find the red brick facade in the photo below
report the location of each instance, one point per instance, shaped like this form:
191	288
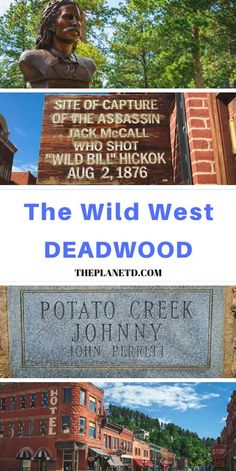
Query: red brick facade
64	427
228	435
56	413
23	178
200	138
209	145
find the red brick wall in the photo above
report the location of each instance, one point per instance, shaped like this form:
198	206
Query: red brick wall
9	447
142	446
200	138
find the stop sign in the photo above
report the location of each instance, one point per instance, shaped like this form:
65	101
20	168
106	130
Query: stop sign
218	451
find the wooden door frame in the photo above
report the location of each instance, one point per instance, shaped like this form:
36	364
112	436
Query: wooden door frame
225	162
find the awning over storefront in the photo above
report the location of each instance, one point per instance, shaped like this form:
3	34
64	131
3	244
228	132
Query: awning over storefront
99	452
164	463
69	445
42	455
114	461
24	454
148	463
143	463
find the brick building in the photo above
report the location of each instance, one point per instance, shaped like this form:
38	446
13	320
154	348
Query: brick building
168	460
51	426
118	441
228	435
141	455
64	427
7	152
203	138
155	456
23	178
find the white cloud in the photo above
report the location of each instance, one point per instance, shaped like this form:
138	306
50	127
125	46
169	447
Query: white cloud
179	397
4	6
223	419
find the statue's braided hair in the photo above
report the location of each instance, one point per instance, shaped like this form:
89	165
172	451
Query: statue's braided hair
50	14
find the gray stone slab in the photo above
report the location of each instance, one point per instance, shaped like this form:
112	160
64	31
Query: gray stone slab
116	332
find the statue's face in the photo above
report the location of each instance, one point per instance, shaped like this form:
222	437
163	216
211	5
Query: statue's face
67	25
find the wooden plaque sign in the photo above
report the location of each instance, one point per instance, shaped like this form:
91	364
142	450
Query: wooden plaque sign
106	139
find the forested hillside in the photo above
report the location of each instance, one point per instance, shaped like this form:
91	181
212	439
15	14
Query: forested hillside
181	442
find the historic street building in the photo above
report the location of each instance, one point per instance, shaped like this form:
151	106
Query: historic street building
7	152
64	427
228	435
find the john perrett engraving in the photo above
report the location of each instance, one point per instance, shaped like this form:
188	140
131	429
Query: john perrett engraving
97	324
54	63
89	331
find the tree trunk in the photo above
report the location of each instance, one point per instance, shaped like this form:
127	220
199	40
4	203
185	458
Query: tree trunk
196	58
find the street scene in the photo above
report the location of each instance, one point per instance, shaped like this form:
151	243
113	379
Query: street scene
83	426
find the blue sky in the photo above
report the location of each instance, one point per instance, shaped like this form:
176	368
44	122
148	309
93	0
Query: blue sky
23	113
198	407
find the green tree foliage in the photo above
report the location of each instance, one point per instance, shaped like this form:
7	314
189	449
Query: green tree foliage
15	37
132	47
174	43
183	443
143	43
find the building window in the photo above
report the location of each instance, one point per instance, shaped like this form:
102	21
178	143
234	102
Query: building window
92	430
3	404
45	398
82	425
124	445
11	430
20	429
92	403
22	402
25	465
115	443
1	430
67	392
43	425
109	442
31	427
32	400
82	397
13	403
145	453
65	424
99	432
99	407
105	441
